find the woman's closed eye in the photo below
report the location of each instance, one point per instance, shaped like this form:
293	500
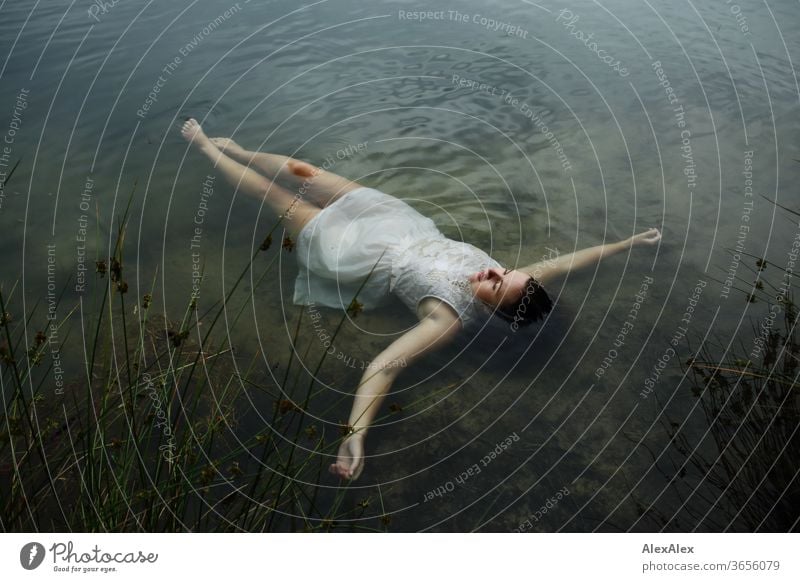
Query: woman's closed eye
497	283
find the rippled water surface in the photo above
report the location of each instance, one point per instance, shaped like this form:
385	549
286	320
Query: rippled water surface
516	126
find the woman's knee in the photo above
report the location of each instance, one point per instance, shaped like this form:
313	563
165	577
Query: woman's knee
302	169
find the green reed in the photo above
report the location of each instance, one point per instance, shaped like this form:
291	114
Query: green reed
147	439
742	474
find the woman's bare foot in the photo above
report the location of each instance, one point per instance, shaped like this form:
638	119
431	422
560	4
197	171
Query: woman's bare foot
193	133
228	146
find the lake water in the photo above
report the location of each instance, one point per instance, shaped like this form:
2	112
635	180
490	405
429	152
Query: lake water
518	127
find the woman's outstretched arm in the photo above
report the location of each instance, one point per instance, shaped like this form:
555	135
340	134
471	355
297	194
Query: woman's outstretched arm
550	269
435	330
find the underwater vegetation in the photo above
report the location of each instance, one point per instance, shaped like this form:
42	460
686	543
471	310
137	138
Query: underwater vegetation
144	434
736	468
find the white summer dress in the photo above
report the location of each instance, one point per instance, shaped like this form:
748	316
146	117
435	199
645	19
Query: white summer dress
370	244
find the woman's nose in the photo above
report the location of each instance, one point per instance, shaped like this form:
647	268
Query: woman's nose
496	273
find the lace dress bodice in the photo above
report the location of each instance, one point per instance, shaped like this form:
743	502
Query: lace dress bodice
439	267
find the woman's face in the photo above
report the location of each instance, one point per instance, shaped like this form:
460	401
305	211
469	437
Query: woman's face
499	287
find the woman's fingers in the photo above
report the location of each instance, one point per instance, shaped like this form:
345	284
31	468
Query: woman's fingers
340	471
650	236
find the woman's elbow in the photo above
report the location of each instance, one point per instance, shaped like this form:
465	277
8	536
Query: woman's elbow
387	367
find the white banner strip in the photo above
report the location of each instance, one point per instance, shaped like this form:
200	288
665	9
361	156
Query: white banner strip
397	557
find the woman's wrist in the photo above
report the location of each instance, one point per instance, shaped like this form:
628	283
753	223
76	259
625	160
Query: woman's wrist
355	431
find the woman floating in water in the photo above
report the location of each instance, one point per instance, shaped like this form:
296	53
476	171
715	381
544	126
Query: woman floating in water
348	234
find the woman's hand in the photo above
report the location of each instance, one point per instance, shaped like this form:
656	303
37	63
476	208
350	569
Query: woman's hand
350	461
648	237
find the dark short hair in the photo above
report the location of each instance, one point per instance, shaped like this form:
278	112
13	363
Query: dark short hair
532	306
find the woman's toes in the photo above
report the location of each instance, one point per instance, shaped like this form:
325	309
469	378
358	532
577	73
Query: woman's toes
189	129
193	132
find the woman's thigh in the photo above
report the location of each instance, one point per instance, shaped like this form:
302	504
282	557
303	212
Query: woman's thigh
298	215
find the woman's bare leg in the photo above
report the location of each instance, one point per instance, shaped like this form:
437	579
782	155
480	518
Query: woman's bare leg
321	186
295	212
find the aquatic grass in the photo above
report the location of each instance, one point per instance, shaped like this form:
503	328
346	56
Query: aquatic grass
21	408
145	441
742	475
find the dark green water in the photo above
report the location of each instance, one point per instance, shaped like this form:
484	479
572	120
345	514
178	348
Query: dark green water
504	123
